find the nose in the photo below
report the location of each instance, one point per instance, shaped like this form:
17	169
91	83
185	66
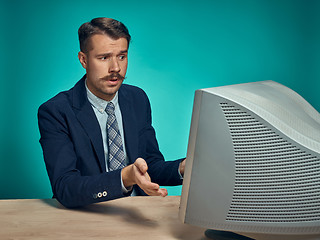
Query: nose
114	66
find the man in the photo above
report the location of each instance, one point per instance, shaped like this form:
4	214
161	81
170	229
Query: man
97	138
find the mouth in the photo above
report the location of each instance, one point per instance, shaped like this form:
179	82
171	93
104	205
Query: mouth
113	82
113	79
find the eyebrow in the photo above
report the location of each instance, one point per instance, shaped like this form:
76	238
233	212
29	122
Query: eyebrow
109	54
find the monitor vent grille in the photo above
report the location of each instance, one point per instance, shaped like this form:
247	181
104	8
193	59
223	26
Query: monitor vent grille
275	181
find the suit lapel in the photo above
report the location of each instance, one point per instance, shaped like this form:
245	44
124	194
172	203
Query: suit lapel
88	120
129	125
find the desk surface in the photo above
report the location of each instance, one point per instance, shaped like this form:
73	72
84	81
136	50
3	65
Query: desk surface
126	218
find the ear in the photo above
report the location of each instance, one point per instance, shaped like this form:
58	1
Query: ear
83	59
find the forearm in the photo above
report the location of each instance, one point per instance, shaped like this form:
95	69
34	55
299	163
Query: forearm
73	190
165	173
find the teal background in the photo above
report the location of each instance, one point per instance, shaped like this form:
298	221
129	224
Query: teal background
177	47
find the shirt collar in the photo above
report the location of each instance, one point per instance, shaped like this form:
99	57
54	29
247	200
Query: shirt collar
98	103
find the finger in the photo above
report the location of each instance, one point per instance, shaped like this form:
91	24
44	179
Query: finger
149	185
151	192
160	192
141	164
150	188
163	192
141	177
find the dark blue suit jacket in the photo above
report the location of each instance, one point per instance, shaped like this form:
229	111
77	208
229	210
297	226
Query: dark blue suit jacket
73	150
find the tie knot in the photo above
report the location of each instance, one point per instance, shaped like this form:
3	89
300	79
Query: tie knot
110	108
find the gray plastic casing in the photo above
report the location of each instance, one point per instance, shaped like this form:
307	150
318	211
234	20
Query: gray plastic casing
253	161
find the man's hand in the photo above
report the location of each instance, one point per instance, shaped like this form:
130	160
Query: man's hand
182	166
137	174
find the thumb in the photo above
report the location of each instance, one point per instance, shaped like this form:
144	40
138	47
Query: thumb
141	164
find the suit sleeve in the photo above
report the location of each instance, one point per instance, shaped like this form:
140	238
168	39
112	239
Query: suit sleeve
165	173
69	185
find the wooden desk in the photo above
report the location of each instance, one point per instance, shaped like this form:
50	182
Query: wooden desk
127	218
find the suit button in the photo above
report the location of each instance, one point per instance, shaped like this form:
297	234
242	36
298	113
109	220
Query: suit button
104	193
99	195
95	196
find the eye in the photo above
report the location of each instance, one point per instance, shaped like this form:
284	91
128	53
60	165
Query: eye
122	57
103	57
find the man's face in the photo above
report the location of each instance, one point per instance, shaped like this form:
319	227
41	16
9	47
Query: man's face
106	65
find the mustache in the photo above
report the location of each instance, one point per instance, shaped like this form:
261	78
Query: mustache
113	75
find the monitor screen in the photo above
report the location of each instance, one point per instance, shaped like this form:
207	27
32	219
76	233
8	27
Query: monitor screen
253	163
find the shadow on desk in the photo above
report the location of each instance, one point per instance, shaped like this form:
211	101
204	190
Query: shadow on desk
53	203
129	214
126	218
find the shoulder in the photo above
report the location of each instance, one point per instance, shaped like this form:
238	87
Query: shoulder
131	89
61	105
133	92
66	99
62	99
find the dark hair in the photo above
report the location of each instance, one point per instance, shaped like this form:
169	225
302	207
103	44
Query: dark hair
102	25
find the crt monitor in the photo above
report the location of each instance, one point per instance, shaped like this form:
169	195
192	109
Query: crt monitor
253	163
